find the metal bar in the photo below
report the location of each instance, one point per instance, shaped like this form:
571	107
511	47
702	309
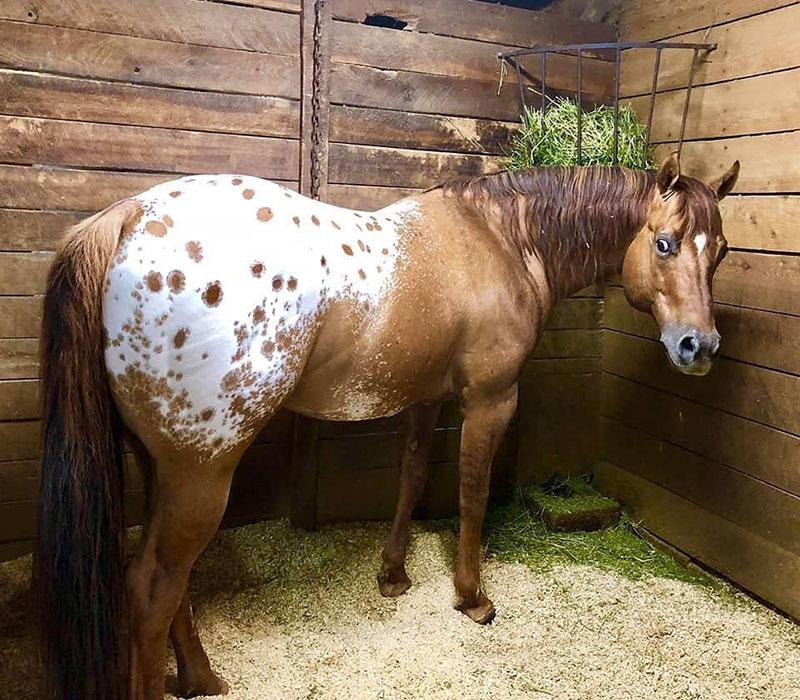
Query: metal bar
520	86
544	84
621	45
578	154
686	103
653	91
616	107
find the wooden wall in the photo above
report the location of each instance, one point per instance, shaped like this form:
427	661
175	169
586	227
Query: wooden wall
101	99
712	465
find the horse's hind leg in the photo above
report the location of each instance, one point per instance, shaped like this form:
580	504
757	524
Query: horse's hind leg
186	503
419	422
195	676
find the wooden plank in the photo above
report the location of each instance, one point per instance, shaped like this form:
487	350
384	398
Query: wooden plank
91	54
19	440
468	19
570	365
768	163
751	448
24	187
19	399
305	463
15	549
749	47
759	281
181	21
758	507
260	487
461	58
727	109
397	167
20	317
575	314
29	140
756	393
23	273
37	95
281	5
382	127
30	229
569	343
762	222
758	337
408	91
366	197
642	20
756	563
19	358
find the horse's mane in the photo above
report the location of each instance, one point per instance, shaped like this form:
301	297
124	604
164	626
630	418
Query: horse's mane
577	220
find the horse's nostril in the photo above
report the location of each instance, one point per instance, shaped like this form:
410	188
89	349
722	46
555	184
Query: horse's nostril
688	345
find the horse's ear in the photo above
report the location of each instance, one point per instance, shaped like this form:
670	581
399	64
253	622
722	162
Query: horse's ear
724	184
668	173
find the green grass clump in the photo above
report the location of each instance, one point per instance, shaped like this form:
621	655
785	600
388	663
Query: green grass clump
513	533
567	496
551	138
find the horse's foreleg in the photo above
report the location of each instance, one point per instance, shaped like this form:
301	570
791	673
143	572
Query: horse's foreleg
186	505
485	422
419	422
195	676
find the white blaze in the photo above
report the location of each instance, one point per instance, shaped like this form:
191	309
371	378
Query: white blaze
700	242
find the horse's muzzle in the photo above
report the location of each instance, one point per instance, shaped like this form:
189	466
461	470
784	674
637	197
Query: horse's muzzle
690	349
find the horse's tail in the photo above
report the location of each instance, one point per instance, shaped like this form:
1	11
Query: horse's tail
78	567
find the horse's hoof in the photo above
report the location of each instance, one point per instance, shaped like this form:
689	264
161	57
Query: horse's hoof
392	584
212	684
483	612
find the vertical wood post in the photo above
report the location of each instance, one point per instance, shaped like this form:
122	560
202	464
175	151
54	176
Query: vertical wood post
315	27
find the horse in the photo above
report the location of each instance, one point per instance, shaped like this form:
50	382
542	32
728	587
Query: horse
183	318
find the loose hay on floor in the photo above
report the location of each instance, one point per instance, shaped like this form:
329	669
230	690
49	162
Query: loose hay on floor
287	614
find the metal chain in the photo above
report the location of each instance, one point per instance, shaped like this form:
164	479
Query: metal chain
316	80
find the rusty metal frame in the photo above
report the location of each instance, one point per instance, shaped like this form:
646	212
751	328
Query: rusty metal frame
512	58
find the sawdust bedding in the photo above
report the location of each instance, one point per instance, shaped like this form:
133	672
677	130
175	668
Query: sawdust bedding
287	614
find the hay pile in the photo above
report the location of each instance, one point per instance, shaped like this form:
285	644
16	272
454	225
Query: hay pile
287	615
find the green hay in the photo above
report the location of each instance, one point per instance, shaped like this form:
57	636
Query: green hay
567	496
513	533
551	138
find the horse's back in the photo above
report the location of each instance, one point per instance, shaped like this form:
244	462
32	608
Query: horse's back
217	294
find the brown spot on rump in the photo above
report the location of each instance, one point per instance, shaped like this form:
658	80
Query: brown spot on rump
362	274
277	282
370	227
237	181
180	337
168	221
336	226
322	261
213	294
195	250
176	281
257	269
314	220
361	245
175	193
291	285
259	314
267	348
378	227
156	228
296	220
154	281
264	214
347	249
385	251
217	443
248	193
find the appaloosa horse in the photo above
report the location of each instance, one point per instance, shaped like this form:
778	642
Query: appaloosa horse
183	318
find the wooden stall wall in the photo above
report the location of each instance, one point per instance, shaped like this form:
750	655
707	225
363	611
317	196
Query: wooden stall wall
99	100
412	107
712	465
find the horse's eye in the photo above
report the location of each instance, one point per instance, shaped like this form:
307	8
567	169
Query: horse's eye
664	245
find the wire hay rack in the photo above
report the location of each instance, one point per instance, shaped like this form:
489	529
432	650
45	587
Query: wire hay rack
514	60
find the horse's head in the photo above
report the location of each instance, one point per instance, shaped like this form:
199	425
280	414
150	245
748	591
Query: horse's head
669	265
